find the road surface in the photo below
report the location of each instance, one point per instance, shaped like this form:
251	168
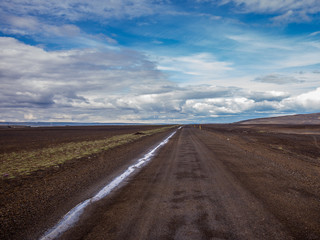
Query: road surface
188	191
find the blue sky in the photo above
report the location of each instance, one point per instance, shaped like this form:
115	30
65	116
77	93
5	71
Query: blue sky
160	61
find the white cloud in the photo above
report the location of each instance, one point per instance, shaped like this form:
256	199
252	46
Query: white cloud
287	10
121	85
308	102
278	79
56	33
287	17
32	26
269	53
314	33
258	42
32	76
29	116
78	9
219	106
274	6
201	66
267	96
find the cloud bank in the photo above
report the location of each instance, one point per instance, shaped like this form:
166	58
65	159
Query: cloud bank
119	85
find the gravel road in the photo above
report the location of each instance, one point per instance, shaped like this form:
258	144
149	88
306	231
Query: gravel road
198	187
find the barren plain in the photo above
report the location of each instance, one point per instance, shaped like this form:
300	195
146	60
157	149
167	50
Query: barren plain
32	202
223	181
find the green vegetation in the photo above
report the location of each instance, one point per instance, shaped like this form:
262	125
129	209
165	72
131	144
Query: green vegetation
25	162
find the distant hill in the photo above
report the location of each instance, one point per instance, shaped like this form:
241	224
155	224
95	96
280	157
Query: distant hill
313	118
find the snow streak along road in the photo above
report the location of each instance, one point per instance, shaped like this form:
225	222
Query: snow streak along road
74	214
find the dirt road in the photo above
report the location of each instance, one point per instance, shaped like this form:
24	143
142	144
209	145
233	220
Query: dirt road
200	186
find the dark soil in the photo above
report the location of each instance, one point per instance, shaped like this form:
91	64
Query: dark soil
17	139
225	181
32	204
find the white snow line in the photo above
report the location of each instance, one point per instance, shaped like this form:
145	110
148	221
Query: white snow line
74	214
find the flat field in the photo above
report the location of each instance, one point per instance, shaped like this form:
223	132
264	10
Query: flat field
46	171
27	150
223	181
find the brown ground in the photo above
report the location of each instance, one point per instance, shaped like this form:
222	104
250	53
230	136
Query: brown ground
221	182
31	204
224	182
22	138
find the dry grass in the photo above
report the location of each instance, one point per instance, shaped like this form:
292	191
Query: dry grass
25	162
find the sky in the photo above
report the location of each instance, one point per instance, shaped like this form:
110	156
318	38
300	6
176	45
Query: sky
158	61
